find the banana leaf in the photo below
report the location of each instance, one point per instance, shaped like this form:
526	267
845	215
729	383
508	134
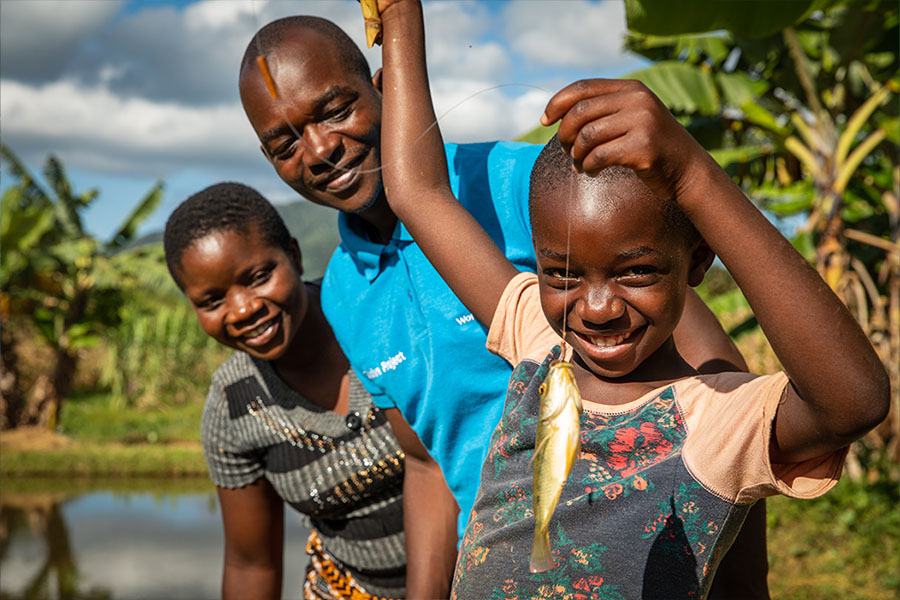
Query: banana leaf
682	87
140	213
756	19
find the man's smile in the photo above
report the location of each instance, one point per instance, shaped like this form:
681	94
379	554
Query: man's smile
341	176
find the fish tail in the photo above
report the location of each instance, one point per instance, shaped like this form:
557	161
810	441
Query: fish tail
541	560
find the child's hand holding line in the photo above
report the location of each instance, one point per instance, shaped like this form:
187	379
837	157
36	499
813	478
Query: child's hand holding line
839	389
605	122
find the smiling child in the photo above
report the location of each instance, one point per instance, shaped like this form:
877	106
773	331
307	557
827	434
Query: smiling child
672	460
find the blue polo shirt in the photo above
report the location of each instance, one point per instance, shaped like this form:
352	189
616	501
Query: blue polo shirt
413	343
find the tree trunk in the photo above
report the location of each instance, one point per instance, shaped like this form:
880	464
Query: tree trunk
11	403
47	396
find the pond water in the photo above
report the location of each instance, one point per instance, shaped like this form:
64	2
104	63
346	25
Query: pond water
125	544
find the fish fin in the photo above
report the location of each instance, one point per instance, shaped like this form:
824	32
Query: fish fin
537	449
541	560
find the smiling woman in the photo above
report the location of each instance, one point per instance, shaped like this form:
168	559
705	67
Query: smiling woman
252	301
285	419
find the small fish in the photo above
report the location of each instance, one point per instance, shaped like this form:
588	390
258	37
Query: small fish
557	446
373	21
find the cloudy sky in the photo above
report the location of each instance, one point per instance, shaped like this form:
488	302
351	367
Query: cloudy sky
126	92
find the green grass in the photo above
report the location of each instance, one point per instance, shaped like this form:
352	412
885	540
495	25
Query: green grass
107	441
92	417
844	545
102	460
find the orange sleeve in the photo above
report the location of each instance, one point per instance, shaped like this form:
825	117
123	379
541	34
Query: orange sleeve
519	328
729	418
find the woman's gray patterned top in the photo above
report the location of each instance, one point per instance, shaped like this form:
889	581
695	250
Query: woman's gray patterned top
344	472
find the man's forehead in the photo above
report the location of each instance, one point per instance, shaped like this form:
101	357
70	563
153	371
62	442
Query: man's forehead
296	47
303	37
304	81
306	67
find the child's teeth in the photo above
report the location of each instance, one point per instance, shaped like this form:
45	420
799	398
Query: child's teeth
607	341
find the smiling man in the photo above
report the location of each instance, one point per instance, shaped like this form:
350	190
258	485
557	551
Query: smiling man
414	345
329	98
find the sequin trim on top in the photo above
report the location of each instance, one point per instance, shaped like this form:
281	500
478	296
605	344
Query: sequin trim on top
356	452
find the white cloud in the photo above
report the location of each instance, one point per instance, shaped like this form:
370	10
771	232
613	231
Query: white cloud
459	59
189	56
108	126
37	38
121	134
215	14
30	27
456	47
158	93
570	33
479	110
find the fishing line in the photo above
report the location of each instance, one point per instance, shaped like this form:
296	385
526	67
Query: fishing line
262	62
562	346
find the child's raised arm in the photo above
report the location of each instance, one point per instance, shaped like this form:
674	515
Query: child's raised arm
838	387
415	170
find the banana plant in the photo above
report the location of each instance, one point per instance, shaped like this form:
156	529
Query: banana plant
49	271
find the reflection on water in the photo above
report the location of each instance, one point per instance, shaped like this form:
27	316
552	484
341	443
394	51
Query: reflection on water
152	540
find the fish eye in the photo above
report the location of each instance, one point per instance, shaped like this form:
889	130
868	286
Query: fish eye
542	389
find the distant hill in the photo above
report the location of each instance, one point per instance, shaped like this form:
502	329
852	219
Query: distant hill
314	226
316	230
145	240
539	135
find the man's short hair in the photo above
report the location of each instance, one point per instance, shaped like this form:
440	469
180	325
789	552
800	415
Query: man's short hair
552	172
224	206
270	36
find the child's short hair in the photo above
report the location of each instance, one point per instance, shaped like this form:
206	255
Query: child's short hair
552	172
270	36
223	206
